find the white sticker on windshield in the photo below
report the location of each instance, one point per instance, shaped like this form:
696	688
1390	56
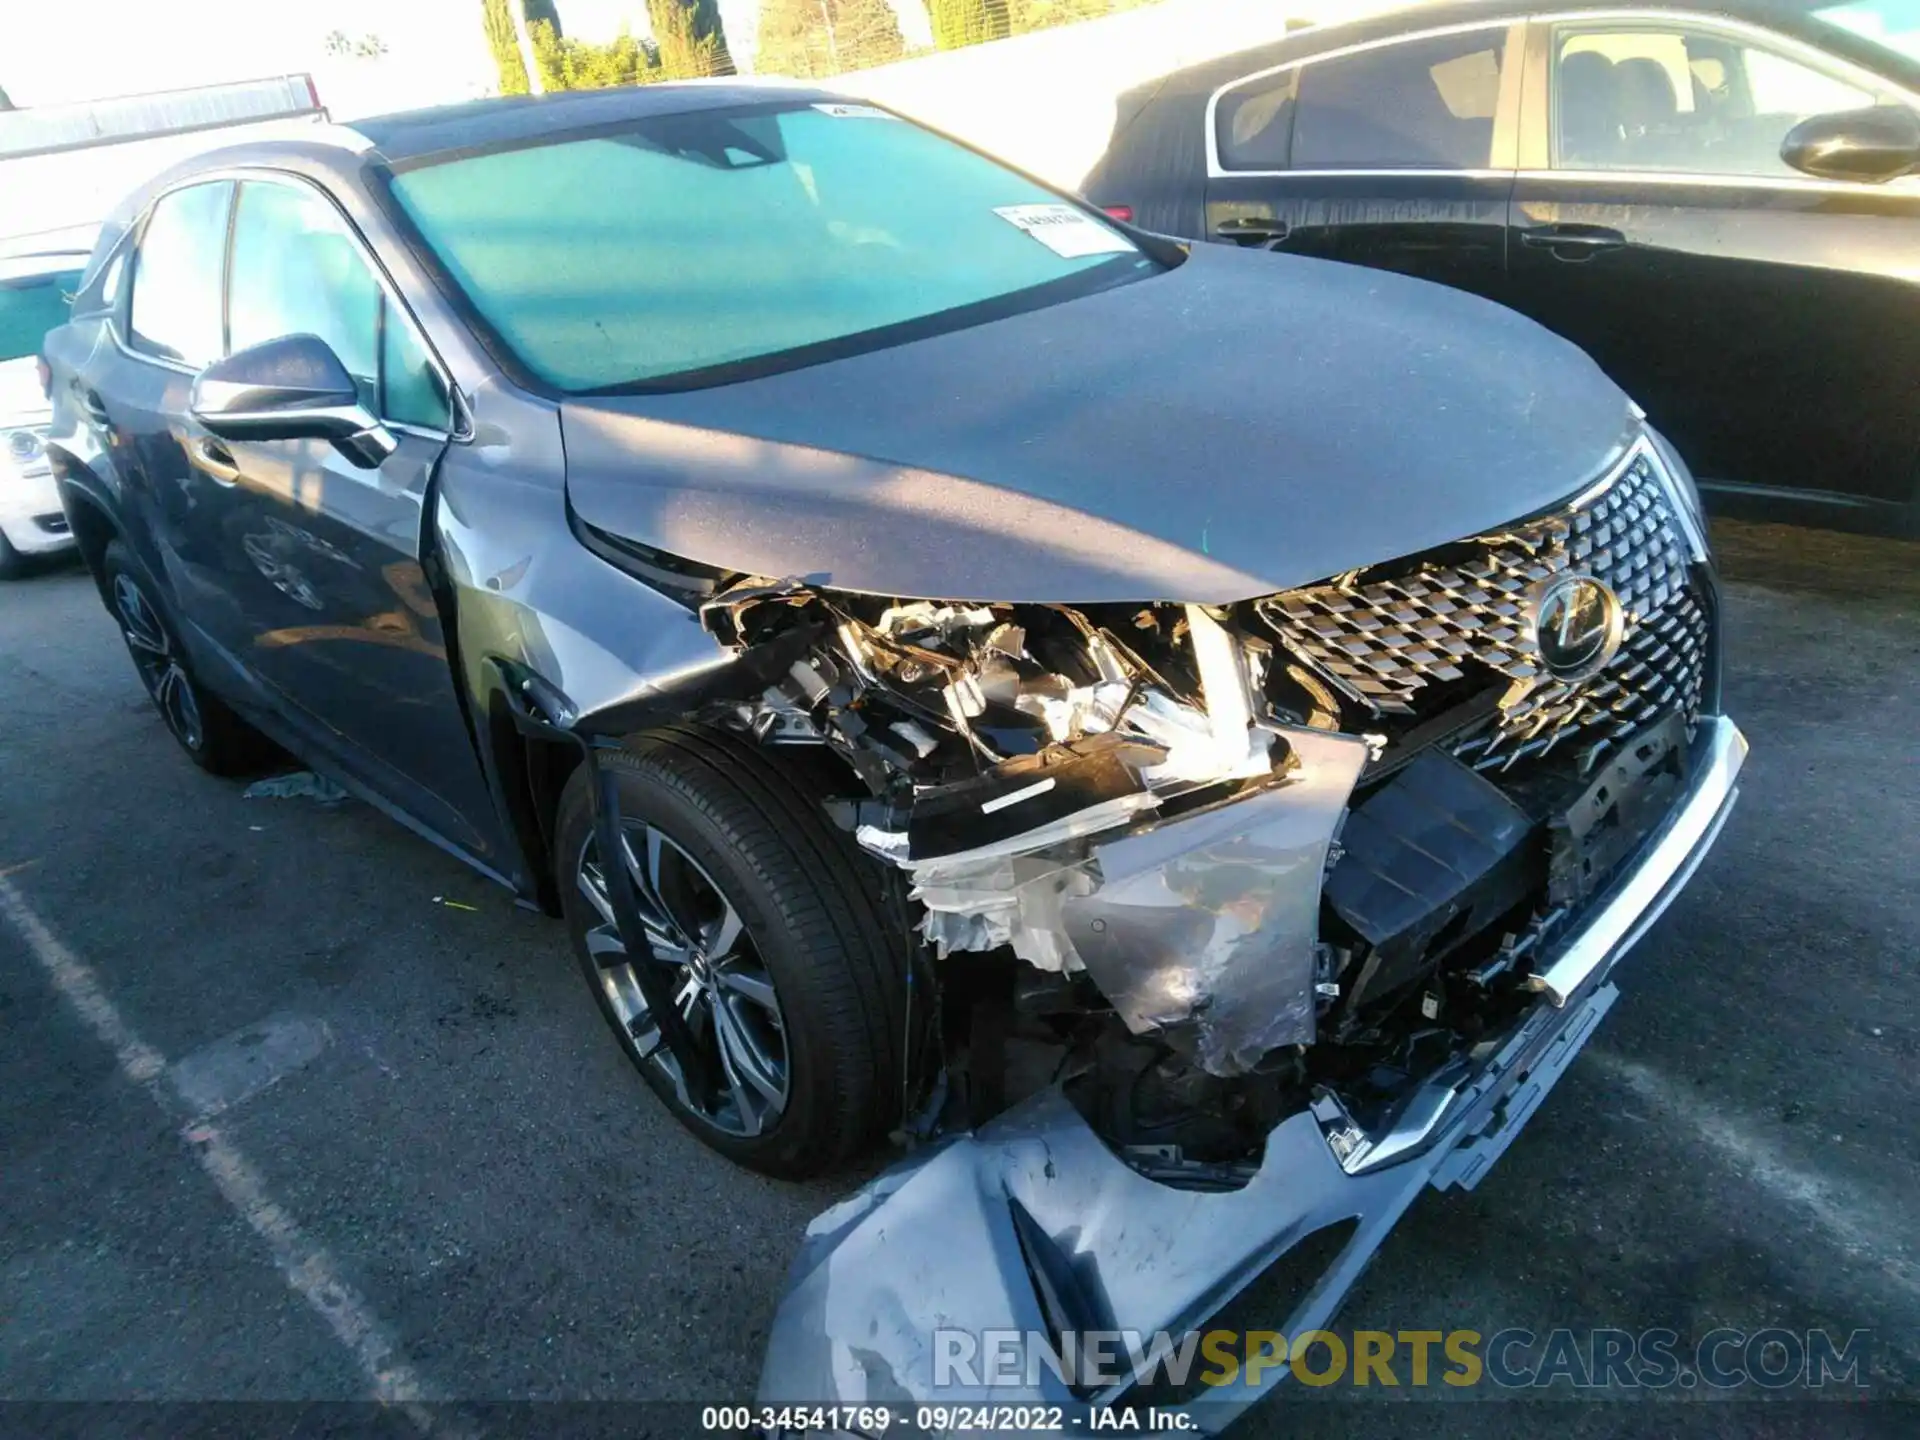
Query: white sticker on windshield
855	112
1064	230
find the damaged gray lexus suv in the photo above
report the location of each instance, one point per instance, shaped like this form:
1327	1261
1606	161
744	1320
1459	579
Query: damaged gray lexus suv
1176	738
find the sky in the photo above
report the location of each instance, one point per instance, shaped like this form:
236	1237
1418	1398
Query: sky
435	48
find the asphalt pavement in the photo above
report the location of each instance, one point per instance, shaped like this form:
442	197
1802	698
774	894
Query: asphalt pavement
293	1107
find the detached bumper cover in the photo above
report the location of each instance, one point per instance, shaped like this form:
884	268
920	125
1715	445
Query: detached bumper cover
943	1243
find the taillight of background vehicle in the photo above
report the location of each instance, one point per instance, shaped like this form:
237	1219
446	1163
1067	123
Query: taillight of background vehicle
1120	212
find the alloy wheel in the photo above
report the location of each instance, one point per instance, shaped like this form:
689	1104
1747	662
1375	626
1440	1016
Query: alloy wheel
160	668
722	986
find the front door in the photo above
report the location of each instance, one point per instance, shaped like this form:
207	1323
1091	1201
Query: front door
328	599
1398	155
1769	323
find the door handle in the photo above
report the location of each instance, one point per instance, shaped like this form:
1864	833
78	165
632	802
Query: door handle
1573	242
216	460
1250	230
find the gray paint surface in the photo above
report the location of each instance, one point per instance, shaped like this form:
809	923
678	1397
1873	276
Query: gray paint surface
1241	424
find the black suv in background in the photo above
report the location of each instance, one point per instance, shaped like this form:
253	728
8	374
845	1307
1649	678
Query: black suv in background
1713	198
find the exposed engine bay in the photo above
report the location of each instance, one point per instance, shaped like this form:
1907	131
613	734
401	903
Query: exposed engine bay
1172	860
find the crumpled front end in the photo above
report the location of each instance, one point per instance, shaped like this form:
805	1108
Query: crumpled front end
1103	792
1261	916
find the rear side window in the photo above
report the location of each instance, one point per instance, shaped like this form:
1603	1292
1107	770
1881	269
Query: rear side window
1424	104
176	278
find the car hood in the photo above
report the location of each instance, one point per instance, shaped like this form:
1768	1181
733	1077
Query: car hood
1242	424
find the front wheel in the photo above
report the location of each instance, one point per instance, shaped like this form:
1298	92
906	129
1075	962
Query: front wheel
780	960
216	739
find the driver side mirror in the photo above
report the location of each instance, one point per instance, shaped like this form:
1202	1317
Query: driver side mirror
293	388
1869	146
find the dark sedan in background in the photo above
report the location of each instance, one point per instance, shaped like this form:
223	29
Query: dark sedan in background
1714	199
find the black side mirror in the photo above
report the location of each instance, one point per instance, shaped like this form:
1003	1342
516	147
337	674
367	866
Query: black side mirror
1869	146
293	388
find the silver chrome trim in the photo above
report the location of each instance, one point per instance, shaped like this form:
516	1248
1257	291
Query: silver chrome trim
1704	181
1407	172
1674	852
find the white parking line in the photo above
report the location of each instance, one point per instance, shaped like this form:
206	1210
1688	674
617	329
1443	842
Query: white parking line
1851	1220
307	1267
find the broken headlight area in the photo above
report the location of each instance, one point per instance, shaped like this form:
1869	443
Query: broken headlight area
1161	856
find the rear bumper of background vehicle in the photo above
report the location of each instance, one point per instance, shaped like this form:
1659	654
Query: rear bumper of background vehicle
948	1244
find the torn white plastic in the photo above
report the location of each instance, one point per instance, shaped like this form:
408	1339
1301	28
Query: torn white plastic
1009	892
1205	928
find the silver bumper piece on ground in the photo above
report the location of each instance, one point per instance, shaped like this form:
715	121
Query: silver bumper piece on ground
950	1242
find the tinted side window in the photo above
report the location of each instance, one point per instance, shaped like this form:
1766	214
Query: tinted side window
1672	100
1420	104
409	389
297	270
1254	123
176	277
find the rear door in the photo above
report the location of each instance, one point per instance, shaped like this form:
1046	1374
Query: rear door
1398	154
1768	322
136	391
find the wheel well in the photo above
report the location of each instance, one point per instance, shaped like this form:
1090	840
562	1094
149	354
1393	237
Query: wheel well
531	772
93	530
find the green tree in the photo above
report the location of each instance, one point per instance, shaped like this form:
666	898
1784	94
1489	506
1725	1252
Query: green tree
568	64
1027	15
505	46
967	22
503	39
5	102
812	38
689	37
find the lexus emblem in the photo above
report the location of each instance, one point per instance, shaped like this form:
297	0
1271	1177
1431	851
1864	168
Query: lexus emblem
1577	626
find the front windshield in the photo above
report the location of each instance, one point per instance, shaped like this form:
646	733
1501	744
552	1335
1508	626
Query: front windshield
1894	24
30	306
691	242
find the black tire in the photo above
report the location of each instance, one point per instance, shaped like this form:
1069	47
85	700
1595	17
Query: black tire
214	737
809	911
12	563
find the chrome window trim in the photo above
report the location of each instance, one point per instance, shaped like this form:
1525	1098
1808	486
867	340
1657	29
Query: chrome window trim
1216	171
1384	172
1905	185
462	429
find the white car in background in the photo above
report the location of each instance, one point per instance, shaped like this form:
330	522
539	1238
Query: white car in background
35	290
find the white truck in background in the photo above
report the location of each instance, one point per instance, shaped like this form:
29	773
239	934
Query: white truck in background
63	167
